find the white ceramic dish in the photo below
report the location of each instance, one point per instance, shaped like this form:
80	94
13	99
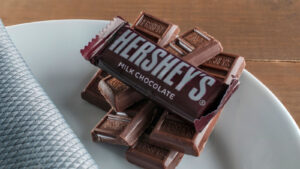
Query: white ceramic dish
255	131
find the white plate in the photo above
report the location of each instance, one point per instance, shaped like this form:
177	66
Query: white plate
255	131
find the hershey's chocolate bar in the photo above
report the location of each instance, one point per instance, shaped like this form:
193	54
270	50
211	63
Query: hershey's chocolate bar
202	44
124	128
91	93
166	79
155	29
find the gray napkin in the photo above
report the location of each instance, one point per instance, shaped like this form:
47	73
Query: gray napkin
33	134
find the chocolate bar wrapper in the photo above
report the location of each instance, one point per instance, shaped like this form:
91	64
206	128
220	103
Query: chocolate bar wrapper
194	46
151	70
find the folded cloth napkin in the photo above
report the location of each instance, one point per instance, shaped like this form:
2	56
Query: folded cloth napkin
33	134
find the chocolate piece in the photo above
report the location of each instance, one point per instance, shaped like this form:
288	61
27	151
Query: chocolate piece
225	67
157	74
124	128
149	156
195	46
203	45
156	30
174	132
91	93
118	95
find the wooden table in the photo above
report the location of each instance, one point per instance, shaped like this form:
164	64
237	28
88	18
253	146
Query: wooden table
265	32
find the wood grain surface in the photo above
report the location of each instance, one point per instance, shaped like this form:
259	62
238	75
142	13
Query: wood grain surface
265	32
283	79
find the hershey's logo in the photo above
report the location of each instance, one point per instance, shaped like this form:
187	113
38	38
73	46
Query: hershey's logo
160	64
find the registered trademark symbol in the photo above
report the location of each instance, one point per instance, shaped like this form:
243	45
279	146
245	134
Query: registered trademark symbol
202	102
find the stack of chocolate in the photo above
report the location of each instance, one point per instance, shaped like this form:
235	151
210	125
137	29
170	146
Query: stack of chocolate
154	119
